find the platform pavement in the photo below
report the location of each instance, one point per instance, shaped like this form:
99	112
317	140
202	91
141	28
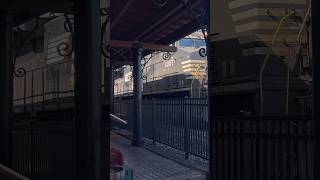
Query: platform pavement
150	166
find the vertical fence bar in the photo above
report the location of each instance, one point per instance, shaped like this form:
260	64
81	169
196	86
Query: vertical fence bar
152	72
31	153
179	123
170	132
216	160
258	152
193	128
299	148
296	147
58	88
153	124
277	131
228	149
241	152
167	104
186	130
208	132
159	122
25	93
43	89
264	150
32	91
283	152
223	152
254	151
202	150
172	124
267	150
290	149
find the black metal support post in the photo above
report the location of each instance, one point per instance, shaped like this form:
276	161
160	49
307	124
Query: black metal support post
210	61
316	83
137	95
6	91
90	135
108	85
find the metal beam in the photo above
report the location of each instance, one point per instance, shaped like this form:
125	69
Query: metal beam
90	132
184	31
316	84
122	12
172	20
137	95
146	46
6	91
160	22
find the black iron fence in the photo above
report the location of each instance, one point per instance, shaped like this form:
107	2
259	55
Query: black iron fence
42	145
42	88
245	147
264	148
178	123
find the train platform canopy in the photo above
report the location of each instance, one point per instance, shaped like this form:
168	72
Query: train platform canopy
156	23
150	22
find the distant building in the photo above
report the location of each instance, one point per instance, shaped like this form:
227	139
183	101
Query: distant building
253	53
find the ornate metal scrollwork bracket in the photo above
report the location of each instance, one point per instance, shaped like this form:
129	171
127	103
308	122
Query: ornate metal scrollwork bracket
166	56
144	77
105	46
201	22
21	71
64	48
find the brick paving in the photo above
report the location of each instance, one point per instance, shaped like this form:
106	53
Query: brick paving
149	166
